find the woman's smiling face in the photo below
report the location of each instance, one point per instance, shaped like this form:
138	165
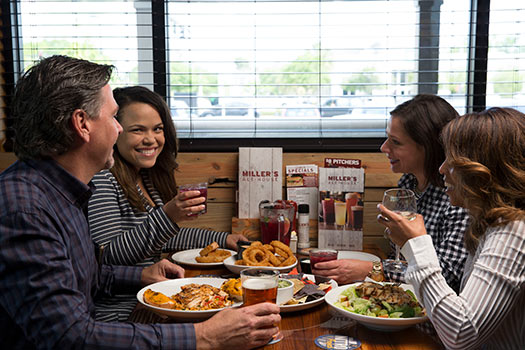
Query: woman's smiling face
142	138
404	154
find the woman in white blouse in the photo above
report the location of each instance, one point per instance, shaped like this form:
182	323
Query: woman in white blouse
484	171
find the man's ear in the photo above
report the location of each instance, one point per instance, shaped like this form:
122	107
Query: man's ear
81	124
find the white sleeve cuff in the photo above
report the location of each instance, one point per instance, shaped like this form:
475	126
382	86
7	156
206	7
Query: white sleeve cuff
419	252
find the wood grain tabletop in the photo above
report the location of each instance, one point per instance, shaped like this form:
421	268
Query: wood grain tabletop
302	328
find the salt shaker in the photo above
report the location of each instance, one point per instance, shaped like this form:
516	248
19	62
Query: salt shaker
304	226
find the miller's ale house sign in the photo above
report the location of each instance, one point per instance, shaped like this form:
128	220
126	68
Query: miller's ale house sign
260	178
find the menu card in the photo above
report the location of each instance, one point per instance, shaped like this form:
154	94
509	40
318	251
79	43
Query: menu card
260	178
341	208
301	186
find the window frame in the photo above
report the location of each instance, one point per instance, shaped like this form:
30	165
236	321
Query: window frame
474	98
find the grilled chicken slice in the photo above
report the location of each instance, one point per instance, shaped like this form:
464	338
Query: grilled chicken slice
391	293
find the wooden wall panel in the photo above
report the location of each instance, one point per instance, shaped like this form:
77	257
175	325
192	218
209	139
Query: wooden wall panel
221	170
198	167
6	159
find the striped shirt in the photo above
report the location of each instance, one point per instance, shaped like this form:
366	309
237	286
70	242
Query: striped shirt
49	275
490	310
132	237
446	225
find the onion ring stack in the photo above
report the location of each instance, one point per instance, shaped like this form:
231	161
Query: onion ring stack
275	254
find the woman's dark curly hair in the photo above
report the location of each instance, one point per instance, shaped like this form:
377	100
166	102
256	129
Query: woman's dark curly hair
487	153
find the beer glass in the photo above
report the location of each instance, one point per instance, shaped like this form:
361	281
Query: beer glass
259	286
340	214
402	202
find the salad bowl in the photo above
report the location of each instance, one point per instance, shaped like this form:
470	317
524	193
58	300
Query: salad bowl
372	322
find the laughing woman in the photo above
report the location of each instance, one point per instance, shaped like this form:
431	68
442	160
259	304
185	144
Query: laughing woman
135	210
484	172
413	149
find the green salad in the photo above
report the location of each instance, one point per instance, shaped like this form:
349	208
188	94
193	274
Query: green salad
380	300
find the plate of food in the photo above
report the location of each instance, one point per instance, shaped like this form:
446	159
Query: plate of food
191	298
273	256
383	306
309	291
211	255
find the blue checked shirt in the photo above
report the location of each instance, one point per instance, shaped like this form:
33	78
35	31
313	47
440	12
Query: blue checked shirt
446	224
49	276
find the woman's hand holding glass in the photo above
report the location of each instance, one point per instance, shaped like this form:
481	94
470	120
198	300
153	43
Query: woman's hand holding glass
403	202
400	229
343	271
184	205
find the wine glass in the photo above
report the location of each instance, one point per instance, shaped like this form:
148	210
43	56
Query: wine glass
402	202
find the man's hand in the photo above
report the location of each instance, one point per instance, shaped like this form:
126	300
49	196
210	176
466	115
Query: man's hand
343	271
161	271
232	239
239	328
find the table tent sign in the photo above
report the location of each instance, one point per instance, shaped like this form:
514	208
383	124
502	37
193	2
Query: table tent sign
341	204
260	178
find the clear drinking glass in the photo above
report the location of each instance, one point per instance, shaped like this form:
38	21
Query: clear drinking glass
402	202
259	286
202	188
321	255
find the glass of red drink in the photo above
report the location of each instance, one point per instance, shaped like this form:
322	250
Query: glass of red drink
320	255
260	286
202	188
275	221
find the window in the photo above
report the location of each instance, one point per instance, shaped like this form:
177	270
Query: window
506	55
316	69
113	32
298	74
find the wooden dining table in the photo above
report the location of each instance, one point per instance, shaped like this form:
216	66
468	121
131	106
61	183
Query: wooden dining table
302	328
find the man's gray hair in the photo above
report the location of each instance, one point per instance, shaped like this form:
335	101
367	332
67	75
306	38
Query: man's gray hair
45	98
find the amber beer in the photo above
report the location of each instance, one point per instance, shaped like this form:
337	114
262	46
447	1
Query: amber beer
256	291
259	286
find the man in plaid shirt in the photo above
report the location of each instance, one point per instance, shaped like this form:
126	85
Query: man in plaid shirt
63	113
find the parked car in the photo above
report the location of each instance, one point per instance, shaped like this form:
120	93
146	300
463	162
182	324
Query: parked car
179	109
301	110
232	108
336	106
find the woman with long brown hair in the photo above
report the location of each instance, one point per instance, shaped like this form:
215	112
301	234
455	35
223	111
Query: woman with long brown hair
484	172
135	211
414	150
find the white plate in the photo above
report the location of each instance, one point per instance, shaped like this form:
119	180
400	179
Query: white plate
230	265
188	257
310	304
171	287
354	254
375	323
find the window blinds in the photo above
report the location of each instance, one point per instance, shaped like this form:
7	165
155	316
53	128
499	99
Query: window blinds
311	70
